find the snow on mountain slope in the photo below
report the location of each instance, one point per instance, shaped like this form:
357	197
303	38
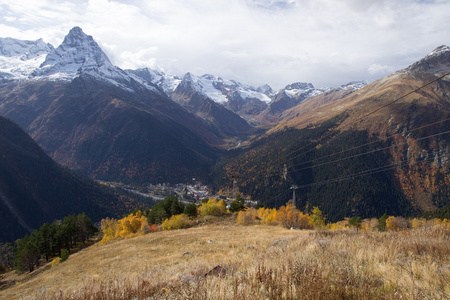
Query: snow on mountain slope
168	83
220	90
80	54
18	58
301	90
266	89
353	86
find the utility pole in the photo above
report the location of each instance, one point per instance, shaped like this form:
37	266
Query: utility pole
293	188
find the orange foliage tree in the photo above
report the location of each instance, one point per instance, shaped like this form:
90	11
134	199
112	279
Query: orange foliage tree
290	217
129	226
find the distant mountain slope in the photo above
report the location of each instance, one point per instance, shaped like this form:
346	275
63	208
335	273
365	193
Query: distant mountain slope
409	126
220	120
34	189
237	98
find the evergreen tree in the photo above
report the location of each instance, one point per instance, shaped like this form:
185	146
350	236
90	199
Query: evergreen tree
355	222
165	209
382	222
26	255
190	210
237	204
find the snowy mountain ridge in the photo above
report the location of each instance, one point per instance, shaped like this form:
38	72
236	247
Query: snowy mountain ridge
18	58
80	54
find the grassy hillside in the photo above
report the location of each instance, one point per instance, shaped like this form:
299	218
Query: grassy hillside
257	262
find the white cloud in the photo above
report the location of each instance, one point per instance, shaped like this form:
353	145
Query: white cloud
326	42
376	69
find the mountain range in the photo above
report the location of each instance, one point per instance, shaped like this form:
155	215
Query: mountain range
145	126
129	125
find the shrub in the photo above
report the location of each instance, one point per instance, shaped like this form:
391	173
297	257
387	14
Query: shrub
355	222
64	255
56	261
154	228
271	218
396	223
176	222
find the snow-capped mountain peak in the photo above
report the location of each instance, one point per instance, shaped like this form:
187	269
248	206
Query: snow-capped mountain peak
436	61
301	89
438	51
266	89
299	86
78	52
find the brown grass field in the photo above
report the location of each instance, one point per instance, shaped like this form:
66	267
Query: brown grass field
257	262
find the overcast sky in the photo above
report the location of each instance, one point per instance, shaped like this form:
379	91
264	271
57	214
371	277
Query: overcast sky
325	42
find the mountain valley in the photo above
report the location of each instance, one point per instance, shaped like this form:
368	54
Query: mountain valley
361	149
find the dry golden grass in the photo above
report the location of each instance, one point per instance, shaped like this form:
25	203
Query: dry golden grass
261	262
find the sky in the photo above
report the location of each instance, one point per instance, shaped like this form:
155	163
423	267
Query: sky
325	42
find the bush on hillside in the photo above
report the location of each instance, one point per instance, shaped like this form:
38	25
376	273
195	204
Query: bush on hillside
176	222
64	255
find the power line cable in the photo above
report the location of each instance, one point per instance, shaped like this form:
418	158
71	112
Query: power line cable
360	146
363	173
372	112
365	153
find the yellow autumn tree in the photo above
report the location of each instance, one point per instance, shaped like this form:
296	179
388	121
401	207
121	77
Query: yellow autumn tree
129	226
176	222
316	218
247	217
369	224
271	218
339	225
418	223
213	208
109	228
262	213
290	217
396	223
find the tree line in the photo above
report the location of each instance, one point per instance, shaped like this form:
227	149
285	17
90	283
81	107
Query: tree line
50	240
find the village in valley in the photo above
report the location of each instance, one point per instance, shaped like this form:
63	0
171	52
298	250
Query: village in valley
194	192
